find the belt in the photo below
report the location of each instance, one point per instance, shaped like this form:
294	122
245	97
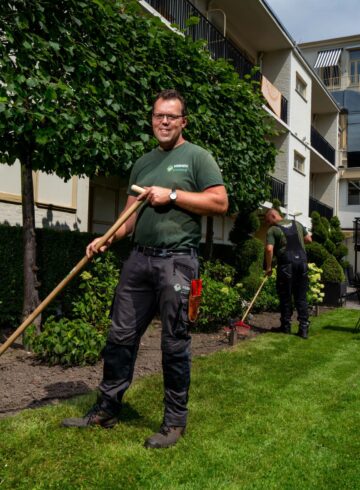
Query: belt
164	252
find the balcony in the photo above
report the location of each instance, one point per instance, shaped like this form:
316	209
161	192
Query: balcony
320	144
179	11
342	82
274	98
277	190
321	208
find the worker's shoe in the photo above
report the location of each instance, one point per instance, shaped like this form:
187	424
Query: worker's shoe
167	436
303	331
95	416
285	329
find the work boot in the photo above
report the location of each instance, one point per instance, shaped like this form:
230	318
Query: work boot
167	436
285	328
95	416
303	331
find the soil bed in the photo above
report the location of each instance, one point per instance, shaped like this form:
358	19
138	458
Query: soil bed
27	383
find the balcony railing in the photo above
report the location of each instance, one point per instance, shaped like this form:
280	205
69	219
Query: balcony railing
322	146
179	11
341	82
323	209
277	190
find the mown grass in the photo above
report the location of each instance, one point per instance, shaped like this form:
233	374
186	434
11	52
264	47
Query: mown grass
276	412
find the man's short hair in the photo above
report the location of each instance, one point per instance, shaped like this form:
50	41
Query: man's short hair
171	94
272	212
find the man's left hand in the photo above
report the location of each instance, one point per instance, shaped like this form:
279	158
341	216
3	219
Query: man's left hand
156	196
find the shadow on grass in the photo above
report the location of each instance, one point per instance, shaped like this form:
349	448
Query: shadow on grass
339	328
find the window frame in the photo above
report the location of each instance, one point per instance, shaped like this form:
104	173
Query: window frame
355	183
300	82
301	158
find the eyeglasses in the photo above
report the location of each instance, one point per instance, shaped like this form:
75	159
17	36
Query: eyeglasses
169	117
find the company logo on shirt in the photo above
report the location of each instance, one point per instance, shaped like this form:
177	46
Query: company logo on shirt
178	167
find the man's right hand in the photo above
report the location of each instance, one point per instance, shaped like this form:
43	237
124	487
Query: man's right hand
268	271
91	249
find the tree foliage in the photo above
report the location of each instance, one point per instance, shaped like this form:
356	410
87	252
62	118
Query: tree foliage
77	79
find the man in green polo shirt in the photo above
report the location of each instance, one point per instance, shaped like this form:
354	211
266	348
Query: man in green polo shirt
285	239
182	183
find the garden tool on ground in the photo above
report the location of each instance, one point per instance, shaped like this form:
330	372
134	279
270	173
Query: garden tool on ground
120	221
235	326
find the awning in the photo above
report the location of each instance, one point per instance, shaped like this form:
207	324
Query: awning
327	58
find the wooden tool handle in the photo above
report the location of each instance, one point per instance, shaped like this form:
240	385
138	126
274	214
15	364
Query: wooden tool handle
119	222
254	299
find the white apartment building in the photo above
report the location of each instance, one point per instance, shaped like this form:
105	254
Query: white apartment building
305	176
248	33
337	63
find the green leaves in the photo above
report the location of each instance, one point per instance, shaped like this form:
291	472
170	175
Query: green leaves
78	82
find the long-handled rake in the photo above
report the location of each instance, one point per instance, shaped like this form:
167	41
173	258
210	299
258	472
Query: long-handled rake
120	221
241	323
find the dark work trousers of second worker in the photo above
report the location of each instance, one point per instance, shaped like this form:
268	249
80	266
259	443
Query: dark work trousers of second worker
292	281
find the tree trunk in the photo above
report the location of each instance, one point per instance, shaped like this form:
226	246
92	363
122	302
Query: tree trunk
31	284
209	240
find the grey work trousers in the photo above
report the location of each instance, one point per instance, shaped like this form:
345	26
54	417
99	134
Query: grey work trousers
149	285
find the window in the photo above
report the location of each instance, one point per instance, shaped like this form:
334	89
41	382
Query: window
330	75
355	67
299	162
300	86
354	192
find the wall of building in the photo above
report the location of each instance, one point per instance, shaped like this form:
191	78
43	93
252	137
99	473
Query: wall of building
300	106
327	125
347	212
276	66
298	196
324	188
58	204
282	158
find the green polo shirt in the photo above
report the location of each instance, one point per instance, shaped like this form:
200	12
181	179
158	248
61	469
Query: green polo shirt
276	237
187	167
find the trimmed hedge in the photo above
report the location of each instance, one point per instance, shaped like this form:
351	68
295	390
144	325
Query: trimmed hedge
58	251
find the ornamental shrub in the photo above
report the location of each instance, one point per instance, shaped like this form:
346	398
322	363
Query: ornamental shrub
268	299
316	253
249	258
330	246
97	292
319	229
332	270
66	342
79	340
221	296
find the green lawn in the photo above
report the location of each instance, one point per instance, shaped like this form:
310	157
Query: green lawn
272	412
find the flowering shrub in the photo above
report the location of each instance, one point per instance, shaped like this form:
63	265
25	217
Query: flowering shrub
221	296
315	294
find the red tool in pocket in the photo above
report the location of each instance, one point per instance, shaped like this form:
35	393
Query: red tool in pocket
194	299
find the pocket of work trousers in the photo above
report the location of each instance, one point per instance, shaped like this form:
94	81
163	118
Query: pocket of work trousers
185	272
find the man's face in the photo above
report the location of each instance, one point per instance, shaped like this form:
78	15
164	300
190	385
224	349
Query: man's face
166	130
